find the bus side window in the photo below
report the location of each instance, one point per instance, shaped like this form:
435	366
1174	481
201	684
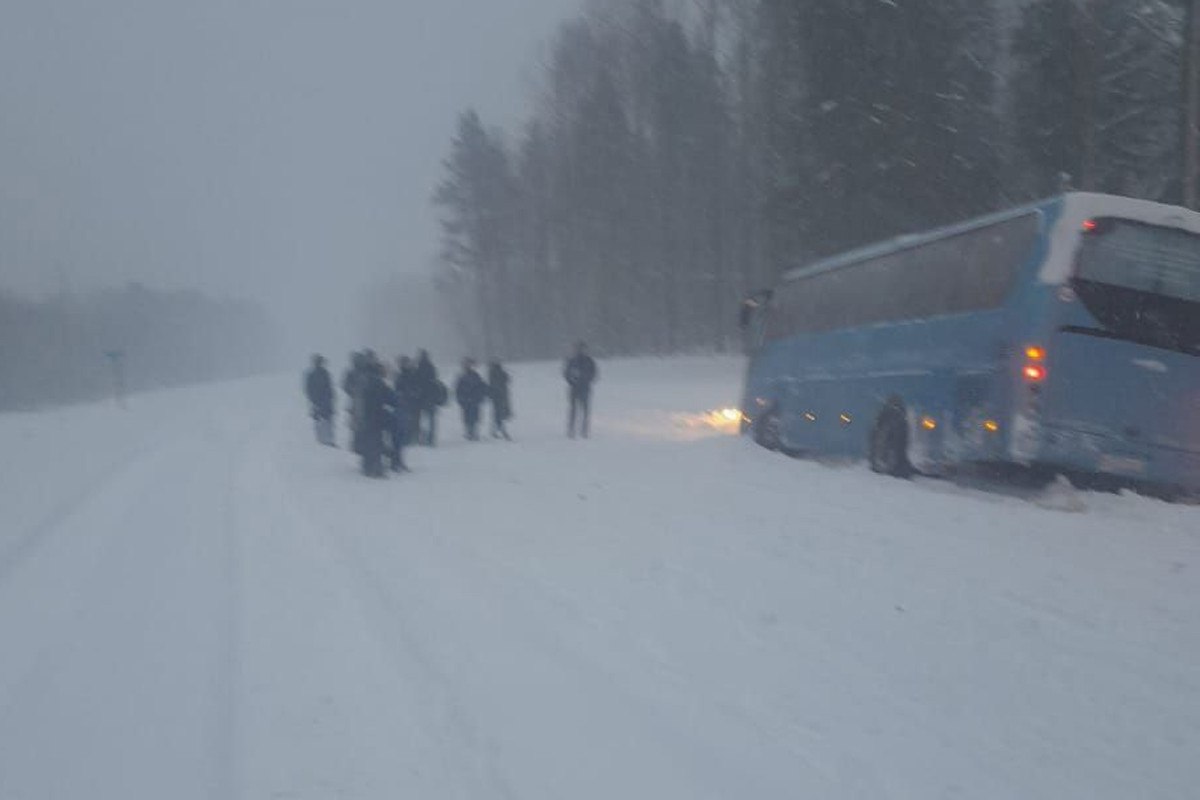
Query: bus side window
922	287
972	271
967	272
998	254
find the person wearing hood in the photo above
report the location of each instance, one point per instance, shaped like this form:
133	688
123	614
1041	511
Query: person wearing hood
404	414
377	403
432	393
318	388
500	395
470	391
352	384
580	373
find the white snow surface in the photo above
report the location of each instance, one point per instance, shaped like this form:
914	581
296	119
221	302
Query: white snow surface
197	601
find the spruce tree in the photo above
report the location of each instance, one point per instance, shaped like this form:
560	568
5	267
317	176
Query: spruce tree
476	200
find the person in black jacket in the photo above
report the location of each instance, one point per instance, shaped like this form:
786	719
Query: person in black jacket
498	392
318	387
352	384
580	372
403	415
430	391
408	397
470	391
377	404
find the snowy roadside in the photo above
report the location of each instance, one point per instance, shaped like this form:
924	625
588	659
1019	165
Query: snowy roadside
664	610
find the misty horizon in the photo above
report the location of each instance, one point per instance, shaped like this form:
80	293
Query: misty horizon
229	148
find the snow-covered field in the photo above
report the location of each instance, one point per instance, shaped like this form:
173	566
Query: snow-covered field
198	601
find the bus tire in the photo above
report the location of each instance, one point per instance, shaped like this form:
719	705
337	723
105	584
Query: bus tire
768	431
889	444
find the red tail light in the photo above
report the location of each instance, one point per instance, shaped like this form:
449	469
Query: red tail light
1034	370
1098	227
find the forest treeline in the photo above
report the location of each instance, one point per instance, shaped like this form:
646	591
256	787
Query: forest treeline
61	349
683	154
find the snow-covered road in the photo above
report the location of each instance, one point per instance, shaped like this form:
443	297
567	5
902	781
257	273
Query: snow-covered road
198	601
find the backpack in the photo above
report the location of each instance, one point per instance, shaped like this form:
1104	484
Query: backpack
441	395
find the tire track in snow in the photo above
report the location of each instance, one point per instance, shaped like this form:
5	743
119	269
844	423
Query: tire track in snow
36	536
600	655
224	730
444	709
134	682
571	696
447	725
105	501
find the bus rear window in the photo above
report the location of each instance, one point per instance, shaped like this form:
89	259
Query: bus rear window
1142	283
1144	258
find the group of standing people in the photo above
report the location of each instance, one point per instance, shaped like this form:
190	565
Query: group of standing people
384	417
471	391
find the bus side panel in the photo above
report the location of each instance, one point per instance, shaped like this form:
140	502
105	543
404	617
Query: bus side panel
956	375
829	389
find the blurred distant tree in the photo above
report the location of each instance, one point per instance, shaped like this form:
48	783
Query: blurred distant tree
881	118
624	191
539	288
685	152
1139	97
476	199
1096	95
54	351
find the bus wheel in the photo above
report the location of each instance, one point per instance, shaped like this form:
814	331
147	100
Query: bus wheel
889	444
768	431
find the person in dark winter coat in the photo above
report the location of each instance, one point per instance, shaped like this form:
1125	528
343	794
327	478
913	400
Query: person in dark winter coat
498	392
352	384
408	397
318	388
404	413
377	404
429	389
580	372
470	391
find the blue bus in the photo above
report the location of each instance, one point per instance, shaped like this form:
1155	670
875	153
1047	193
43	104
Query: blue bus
1063	336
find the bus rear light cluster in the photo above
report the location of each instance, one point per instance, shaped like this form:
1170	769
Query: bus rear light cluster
1034	370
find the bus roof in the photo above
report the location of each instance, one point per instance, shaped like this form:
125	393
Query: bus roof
1078	207
1071	208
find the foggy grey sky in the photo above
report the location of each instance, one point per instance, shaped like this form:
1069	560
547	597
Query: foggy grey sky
283	150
